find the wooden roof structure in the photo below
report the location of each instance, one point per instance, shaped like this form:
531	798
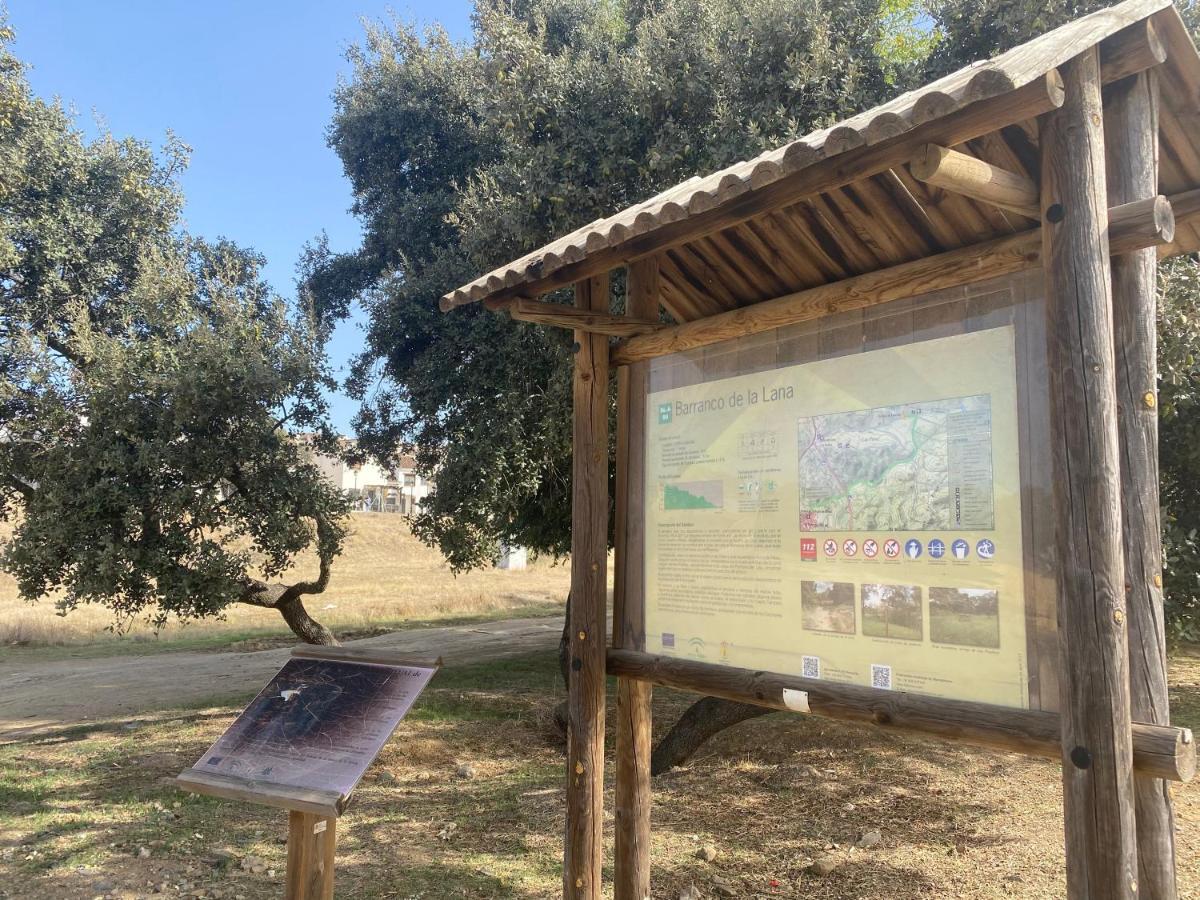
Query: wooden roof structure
951	165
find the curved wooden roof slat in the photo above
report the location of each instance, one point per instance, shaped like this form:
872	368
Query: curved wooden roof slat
707	282
1012	71
916	193
842	139
988	82
832	245
770	253
806	269
933	105
756	270
885	126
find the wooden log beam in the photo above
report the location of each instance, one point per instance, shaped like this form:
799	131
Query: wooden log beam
1186	208
974	178
562	316
1163	751
1145	224
631	872
589	596
1098	805
1140	225
1131	50
312	840
1131	139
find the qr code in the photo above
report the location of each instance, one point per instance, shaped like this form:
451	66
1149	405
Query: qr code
881	677
811	667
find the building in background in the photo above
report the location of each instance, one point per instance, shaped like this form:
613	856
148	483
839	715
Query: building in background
375	488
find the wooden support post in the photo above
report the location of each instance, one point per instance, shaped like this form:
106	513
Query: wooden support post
1131	137
1096	730
311	842
589	596
632	869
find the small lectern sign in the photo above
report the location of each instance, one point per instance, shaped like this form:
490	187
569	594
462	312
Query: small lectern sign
317	725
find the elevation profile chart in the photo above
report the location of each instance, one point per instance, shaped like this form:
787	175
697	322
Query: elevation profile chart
692	495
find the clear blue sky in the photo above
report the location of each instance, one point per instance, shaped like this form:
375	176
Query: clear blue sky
246	84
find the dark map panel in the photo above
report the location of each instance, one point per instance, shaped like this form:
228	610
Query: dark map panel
317	724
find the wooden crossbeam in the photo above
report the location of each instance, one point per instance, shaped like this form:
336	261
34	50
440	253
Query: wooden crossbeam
561	315
1132	50
1148	223
1162	751
974	178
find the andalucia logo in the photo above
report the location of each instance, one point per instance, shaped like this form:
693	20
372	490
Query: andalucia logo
664	413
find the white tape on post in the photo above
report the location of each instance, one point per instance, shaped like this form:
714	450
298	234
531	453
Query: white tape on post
797	701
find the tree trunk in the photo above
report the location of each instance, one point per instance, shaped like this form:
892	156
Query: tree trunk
289	601
702	720
303	625
564	656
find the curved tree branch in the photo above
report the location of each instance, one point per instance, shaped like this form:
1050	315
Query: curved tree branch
287	597
283	598
702	720
22	487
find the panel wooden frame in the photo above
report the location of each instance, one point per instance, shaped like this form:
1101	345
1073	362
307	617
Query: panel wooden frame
1160	750
1013	300
328	804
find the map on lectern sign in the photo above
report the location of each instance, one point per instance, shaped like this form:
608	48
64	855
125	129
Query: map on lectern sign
854	519
318	724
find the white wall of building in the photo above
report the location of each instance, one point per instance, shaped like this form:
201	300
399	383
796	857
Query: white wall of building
377	489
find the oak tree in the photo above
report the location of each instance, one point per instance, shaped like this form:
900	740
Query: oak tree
148	384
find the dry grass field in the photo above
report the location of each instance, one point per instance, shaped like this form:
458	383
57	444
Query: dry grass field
466	801
384	579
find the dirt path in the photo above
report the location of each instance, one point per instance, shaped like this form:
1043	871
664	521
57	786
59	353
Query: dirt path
35	697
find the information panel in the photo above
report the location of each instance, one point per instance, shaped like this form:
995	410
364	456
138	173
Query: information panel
318	724
854	519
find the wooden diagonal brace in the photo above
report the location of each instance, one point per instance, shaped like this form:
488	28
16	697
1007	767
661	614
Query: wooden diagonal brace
561	315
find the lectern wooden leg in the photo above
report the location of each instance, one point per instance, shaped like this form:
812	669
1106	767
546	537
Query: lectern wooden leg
311	842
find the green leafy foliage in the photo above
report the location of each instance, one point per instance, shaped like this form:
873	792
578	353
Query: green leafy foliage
464	157
146	381
562	111
1179	441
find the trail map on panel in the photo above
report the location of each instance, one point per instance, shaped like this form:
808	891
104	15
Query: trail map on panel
913	467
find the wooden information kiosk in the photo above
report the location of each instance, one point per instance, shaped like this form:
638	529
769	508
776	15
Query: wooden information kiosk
886	441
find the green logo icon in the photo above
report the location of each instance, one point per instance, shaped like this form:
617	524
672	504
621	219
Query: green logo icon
664	413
